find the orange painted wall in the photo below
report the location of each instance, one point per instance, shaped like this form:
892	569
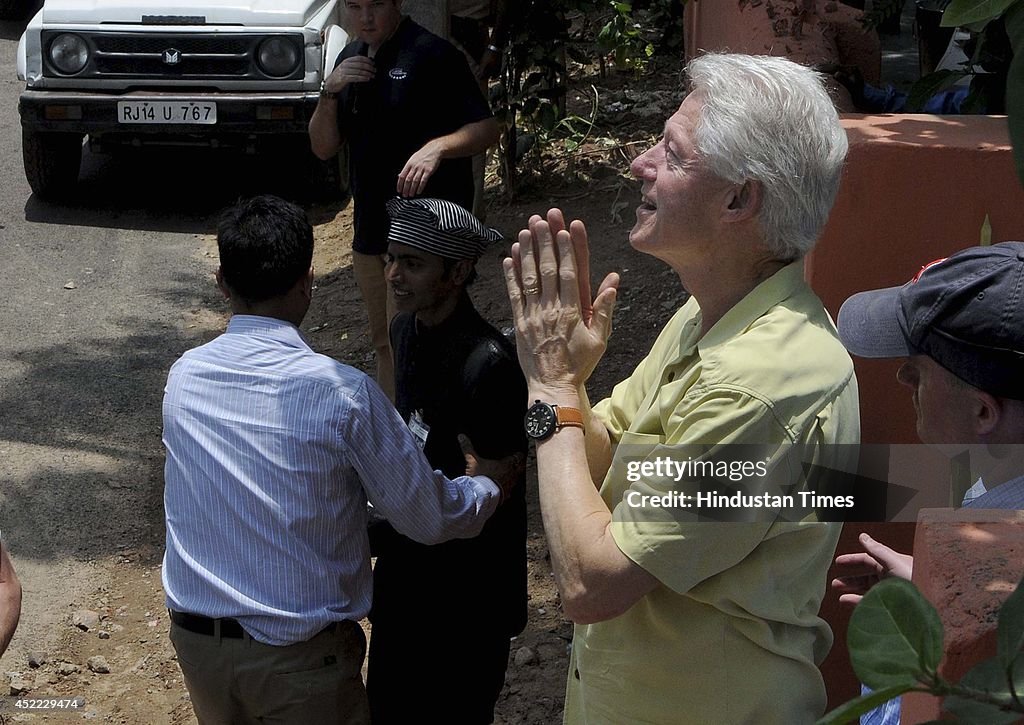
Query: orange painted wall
826	31
916	188
966	563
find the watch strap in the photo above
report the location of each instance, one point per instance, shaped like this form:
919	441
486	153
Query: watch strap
571	417
324	93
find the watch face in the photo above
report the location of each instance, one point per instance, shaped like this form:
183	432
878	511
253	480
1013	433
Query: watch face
540	420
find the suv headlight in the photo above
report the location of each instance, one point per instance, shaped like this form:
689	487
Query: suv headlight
278	56
69	53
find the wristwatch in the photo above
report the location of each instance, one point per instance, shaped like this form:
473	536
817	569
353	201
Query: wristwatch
543	419
324	93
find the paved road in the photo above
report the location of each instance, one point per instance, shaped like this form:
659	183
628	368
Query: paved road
81	370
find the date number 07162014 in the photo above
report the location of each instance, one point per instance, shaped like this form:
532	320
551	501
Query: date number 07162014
41	703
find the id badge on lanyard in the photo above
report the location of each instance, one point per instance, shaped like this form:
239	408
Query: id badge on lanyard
420	430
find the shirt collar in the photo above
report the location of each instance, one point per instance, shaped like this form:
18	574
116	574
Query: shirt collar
780	286
390	47
271	327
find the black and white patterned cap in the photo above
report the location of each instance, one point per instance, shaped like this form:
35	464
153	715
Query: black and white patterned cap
439	227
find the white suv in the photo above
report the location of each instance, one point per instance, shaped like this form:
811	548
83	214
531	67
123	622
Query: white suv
223	73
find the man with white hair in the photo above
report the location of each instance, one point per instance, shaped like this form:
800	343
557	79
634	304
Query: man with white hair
678	620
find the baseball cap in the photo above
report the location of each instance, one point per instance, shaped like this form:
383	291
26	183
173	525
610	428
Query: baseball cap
966	312
439	227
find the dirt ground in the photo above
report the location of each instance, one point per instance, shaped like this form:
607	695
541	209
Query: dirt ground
128	627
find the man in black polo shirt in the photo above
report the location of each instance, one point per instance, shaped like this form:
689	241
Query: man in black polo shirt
443	615
414	115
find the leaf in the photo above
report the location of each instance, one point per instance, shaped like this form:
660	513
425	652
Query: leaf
931	84
987	677
1015	85
853	709
977	98
547	117
894	635
1010	630
977	26
963	12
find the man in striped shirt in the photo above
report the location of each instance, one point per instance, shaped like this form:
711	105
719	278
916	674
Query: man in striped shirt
272	454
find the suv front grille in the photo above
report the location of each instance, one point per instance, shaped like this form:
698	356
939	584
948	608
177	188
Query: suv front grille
177	56
132	43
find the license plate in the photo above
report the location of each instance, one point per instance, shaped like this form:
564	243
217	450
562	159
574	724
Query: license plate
189	112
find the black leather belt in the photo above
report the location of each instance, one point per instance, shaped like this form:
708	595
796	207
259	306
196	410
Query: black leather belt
205	625
229	628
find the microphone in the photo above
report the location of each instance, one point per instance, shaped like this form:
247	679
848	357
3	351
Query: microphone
365	52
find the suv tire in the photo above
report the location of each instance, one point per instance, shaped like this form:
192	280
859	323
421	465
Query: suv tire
52	161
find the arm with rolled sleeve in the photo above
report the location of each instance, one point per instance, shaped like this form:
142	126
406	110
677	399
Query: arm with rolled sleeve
656	539
419	502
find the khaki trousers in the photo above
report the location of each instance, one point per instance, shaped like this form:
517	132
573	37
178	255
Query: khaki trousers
241	681
369	273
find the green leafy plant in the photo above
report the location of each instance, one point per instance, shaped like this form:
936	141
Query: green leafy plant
623	37
529	98
896	642
530	93
997	49
987	67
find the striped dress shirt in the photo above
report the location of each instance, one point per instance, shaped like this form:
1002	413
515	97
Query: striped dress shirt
1007	495
272	453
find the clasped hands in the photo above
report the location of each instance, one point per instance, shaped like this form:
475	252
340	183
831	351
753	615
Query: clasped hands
561	333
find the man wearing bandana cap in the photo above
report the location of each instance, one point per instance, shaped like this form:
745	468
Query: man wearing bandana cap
443	615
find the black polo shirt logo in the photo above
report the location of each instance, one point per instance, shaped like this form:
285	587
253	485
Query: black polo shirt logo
397	73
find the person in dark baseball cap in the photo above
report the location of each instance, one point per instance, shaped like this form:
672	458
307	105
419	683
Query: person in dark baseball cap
454	374
960	324
965	312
